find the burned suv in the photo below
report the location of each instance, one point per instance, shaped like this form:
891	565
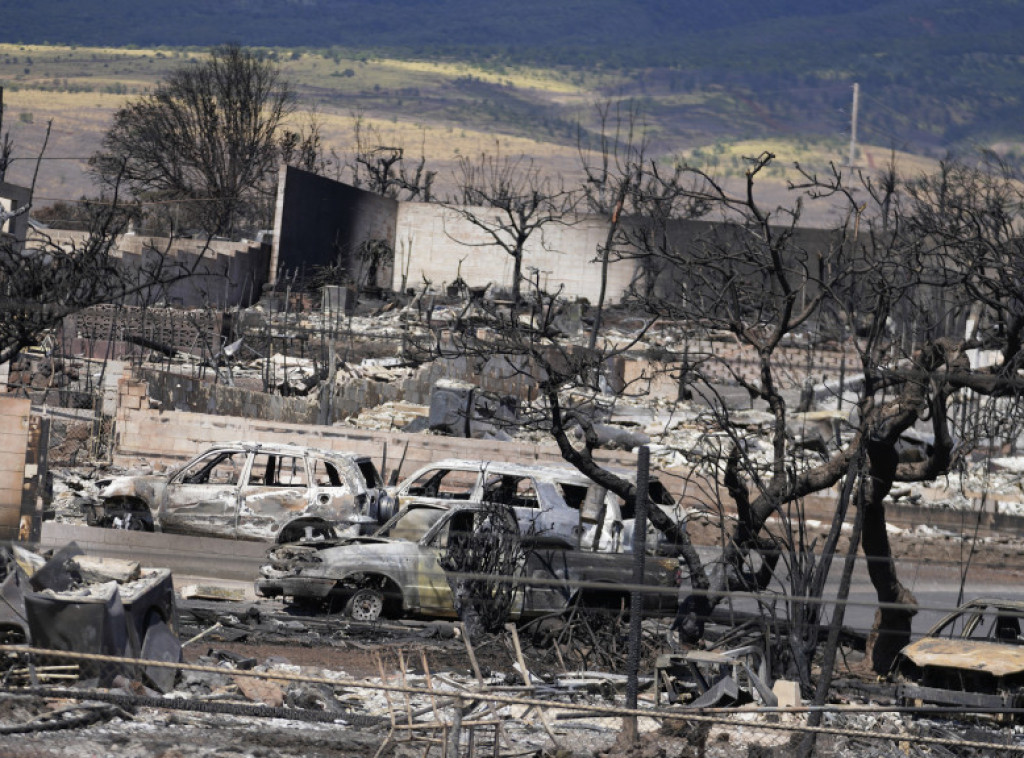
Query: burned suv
974	658
249	491
550	501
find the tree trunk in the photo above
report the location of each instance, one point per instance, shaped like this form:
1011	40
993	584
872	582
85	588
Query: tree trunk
517	273
891	628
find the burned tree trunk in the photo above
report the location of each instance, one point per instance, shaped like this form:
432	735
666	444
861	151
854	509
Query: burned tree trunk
891	628
482	558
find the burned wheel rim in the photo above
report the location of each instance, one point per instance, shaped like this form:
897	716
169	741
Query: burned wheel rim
365	605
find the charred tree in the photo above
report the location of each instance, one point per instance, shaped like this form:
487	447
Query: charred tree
482	558
509	201
206	141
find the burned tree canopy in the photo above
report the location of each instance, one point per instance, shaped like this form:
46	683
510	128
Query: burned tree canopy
47	279
510	202
208	137
917	282
482	554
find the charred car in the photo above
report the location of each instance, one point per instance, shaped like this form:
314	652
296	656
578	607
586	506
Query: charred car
973	657
550	501
261	492
398	573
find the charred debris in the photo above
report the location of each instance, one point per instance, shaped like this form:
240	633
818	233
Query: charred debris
572	659
99	653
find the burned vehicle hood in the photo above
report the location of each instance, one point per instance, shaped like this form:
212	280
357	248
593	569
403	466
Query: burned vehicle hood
337	558
148	487
993	658
375	553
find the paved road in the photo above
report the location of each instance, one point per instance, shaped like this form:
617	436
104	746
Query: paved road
936	587
235	563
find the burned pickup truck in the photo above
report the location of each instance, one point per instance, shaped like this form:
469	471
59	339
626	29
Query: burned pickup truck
397	572
249	491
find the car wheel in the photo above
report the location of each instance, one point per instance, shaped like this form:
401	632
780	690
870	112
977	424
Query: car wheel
138	520
366	605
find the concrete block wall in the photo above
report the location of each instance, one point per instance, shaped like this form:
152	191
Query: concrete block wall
170	437
175	392
791	366
319	222
223	273
163	437
432	240
14	438
182	329
172	391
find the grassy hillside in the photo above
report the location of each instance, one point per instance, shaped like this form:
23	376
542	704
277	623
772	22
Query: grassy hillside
443	109
936	74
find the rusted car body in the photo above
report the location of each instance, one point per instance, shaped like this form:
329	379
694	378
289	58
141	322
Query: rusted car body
550	501
395	573
973	657
261	492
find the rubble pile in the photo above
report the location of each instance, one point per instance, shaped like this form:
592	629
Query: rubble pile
75	488
246	682
388	417
257	682
74	602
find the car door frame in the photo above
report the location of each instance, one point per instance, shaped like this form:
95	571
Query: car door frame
200	518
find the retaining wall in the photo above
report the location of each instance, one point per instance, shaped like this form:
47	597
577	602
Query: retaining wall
23	448
169	437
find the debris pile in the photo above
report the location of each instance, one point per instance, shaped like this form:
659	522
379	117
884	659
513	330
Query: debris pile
109	607
73	489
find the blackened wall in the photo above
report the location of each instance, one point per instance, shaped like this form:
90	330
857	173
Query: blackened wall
321	221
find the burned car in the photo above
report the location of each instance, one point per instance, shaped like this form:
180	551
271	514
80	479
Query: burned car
397	572
973	657
248	491
549	501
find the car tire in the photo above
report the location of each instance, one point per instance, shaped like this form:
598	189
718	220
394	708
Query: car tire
366	605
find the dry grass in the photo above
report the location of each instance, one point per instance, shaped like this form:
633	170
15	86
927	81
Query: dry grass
424	106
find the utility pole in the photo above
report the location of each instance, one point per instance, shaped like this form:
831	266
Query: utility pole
853	122
629	735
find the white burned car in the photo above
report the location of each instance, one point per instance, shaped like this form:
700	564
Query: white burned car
550	501
262	492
